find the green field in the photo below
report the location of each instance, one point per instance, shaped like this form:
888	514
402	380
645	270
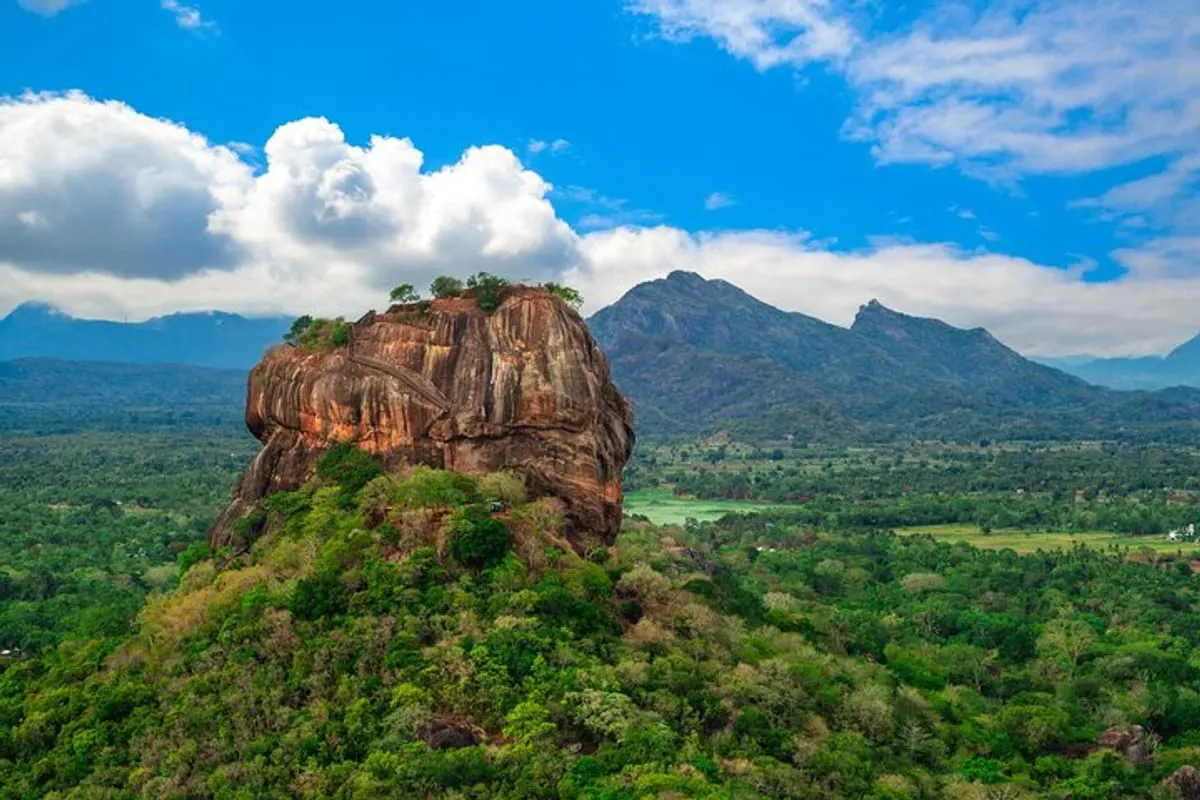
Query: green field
662	507
1030	541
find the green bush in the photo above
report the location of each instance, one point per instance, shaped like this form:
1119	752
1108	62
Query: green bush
477	540
506	487
570	296
445	286
195	553
322	595
348	467
314	335
488	289
425	487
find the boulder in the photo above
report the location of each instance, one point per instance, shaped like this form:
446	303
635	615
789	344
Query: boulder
447	384
1186	781
1131	743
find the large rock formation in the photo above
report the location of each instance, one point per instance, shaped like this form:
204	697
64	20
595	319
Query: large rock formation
522	388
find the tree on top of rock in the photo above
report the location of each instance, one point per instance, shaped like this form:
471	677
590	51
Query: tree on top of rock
445	286
488	289
404	294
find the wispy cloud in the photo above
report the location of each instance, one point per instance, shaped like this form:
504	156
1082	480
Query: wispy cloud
1002	91
1046	86
47	8
768	33
961	213
188	17
541	146
719	200
600	212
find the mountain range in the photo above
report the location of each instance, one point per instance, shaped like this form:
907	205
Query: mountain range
210	339
1180	367
697	356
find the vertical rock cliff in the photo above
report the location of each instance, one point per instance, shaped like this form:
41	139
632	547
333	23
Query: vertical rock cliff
524	388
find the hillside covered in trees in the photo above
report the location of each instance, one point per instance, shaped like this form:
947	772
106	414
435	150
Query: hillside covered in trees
391	635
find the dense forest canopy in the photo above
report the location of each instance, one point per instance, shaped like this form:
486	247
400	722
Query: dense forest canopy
394	635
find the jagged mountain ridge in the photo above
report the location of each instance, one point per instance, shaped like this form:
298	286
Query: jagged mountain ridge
696	354
210	339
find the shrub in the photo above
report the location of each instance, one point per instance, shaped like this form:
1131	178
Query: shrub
301	324
348	467
195	552
476	539
445	286
506	487
488	289
425	487
315	335
321	595
565	293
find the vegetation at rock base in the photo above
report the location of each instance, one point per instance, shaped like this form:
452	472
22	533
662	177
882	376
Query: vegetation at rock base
315	335
388	635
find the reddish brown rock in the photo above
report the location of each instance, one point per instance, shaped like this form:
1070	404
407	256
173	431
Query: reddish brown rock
1131	743
1186	781
524	388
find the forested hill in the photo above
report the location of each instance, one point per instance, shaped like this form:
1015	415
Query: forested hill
42	395
698	355
212	339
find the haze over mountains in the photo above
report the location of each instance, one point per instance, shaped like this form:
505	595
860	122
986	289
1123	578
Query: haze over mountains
1180	367
697	355
211	339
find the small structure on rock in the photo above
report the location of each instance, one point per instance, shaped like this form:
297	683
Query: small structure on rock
522	387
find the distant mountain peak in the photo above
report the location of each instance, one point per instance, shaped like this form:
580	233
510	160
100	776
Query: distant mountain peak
1188	352
36	309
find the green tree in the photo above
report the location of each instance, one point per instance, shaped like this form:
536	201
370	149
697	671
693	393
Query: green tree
565	293
477	540
404	294
298	329
488	289
445	286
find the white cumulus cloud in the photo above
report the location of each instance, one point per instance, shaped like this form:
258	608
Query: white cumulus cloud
111	213
188	17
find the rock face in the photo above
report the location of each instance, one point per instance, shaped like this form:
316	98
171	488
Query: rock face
1130	743
524	388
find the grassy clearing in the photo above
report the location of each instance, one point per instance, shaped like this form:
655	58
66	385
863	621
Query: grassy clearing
1030	541
662	507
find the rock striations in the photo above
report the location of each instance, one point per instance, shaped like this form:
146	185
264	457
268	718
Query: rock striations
524	388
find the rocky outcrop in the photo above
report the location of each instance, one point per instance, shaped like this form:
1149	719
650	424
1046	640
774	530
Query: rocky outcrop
1186	781
523	387
1131	743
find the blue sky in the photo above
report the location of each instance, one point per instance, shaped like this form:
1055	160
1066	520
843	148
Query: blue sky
955	160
